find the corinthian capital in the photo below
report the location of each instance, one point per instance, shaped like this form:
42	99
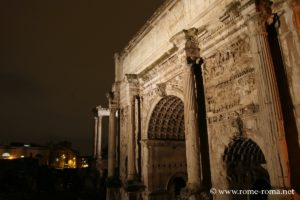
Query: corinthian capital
188	42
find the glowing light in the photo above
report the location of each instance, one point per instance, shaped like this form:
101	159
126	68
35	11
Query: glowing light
5	155
26	145
22	156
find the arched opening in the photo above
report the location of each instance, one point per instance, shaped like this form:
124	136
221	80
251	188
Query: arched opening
167	120
175	185
244	160
166	145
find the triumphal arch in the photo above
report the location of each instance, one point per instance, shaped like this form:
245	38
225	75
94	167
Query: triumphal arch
207	95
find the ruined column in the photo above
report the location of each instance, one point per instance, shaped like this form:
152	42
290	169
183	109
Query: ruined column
100	112
95	137
257	17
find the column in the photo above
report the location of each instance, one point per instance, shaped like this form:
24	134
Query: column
112	181
101	112
192	139
257	18
191	129
131	141
111	137
132	90
133	185
95	136
186	42
99	139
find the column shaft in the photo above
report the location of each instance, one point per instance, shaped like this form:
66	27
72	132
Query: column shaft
131	141
95	137
259	37
191	129
99	139
112	143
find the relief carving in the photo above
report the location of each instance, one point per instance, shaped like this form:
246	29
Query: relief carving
229	80
223	61
161	89
223	97
246	110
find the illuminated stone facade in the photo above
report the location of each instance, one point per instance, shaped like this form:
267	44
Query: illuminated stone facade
207	96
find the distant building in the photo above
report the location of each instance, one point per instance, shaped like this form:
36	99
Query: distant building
23	150
63	156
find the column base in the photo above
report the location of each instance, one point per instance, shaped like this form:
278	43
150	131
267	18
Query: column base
113	182
195	192
112	194
133	186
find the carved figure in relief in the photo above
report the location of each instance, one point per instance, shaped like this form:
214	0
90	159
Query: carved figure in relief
224	60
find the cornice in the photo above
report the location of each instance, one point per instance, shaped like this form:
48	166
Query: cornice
147	27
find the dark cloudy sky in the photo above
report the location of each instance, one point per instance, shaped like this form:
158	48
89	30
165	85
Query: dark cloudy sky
56	64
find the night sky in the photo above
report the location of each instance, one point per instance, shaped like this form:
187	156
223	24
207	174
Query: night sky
56	64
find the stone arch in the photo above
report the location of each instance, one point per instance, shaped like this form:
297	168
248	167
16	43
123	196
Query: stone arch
175	184
244	160
181	175
167	119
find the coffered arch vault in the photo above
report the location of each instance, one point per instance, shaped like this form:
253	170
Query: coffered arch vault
167	120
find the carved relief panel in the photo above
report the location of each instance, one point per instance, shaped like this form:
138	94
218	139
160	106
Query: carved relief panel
230	81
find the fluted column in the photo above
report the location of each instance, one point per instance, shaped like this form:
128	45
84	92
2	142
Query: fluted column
191	59
112	137
191	128
132	174
257	19
95	136
187	42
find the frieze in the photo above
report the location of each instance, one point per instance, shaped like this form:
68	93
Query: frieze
246	110
223	61
224	97
158	68
227	24
243	72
